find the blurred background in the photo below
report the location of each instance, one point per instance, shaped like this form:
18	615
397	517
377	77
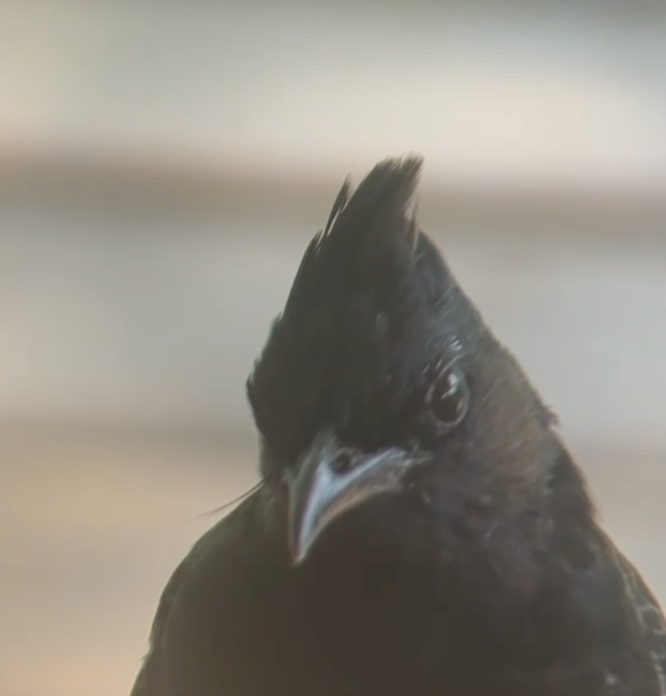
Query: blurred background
162	166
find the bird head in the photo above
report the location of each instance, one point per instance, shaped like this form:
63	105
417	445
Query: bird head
380	369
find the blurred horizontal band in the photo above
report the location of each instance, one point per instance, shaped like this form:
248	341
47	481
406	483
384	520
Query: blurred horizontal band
256	193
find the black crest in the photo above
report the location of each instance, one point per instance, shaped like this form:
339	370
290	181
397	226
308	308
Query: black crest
358	315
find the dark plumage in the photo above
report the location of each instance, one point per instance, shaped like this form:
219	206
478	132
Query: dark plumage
421	530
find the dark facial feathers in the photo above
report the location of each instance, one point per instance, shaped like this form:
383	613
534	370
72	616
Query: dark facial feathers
373	310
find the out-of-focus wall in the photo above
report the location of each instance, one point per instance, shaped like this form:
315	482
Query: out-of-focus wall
162	167
497	93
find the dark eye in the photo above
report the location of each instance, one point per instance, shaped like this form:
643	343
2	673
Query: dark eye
448	397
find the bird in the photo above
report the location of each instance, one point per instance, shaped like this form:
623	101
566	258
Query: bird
420	527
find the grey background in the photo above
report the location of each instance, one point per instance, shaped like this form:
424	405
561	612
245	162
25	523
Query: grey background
162	167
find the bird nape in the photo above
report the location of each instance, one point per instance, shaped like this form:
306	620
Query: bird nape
421	529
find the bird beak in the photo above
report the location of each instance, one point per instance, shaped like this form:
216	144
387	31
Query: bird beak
331	479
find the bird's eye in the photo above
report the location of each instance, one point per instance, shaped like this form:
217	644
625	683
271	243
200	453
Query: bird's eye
448	397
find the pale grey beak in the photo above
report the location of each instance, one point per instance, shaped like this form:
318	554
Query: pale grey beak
331	479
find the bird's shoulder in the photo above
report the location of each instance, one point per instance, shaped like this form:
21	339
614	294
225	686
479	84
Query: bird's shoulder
206	589
646	625
596	629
